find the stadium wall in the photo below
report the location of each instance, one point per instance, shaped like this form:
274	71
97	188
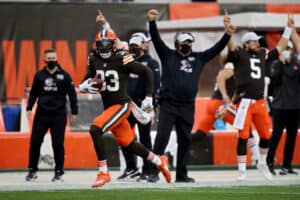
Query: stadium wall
218	149
29	28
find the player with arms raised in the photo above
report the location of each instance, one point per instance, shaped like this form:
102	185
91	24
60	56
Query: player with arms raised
249	71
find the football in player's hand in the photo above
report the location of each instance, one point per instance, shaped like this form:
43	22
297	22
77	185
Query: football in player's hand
97	83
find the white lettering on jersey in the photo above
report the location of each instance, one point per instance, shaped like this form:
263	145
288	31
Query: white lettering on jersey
255	68
111	80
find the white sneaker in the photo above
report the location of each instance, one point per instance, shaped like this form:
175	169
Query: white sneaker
241	175
263	168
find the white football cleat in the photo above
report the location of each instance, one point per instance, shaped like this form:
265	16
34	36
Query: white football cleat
241	176
263	168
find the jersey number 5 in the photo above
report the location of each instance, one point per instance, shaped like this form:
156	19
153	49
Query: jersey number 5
111	78
255	68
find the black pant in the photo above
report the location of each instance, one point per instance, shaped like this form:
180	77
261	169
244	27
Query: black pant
57	125
145	139
284	119
182	116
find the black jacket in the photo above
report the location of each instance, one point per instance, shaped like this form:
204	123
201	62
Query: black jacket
180	75
286	85
51	91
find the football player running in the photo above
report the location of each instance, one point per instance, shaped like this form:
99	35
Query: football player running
113	67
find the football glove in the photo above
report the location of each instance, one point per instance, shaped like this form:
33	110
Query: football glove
86	86
142	116
147	104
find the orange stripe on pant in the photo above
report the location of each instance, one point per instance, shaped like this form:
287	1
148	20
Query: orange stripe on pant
114	119
258	115
208	119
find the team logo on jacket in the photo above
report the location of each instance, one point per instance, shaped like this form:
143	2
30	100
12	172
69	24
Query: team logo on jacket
50	85
185	66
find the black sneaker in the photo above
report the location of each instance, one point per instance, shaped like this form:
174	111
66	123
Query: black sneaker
185	180
31	176
153	178
292	171
271	169
283	171
58	176
143	178
129	173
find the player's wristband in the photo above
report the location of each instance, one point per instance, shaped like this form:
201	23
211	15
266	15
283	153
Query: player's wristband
287	33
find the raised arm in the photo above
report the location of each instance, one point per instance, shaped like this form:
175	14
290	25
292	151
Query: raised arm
219	46
282	44
295	38
158	43
101	20
227	22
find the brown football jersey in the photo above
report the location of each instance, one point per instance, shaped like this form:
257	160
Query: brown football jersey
115	71
249	71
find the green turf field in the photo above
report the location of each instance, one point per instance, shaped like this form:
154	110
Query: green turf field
210	193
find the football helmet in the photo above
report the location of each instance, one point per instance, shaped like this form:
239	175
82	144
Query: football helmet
106	41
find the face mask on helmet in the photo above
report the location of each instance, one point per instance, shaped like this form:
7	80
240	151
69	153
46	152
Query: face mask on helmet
104	47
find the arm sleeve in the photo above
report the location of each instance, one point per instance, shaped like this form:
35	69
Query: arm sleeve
140	69
160	46
72	95
90	70
34	93
272	55
216	49
156	75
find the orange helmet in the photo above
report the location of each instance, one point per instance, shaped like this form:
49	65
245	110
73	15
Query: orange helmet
106	41
106	34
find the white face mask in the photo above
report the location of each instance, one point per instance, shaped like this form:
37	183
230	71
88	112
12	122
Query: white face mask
105	55
286	54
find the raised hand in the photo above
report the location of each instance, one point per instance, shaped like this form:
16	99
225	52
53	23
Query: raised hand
290	21
100	19
229	28
152	14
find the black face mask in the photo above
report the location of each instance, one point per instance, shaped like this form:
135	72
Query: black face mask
185	49
136	52
51	64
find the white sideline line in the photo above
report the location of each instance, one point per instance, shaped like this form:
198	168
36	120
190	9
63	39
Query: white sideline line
15	181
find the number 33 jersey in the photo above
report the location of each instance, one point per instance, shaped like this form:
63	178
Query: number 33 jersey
249	71
115	71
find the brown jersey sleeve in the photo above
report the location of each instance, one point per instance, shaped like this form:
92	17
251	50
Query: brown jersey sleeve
140	69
